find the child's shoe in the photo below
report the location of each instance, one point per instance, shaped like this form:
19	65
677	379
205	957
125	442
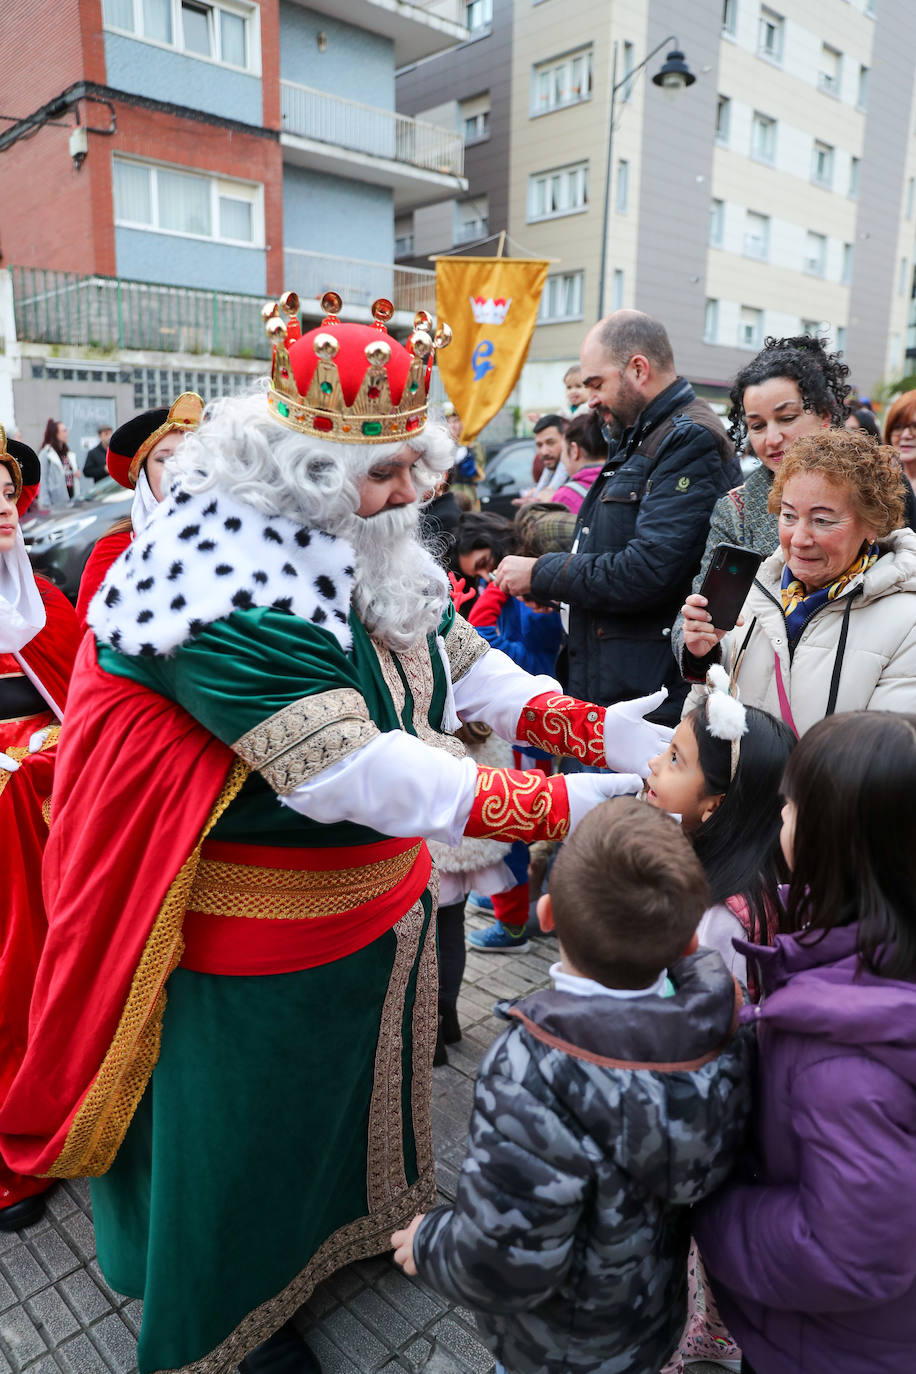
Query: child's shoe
499	939
700	1344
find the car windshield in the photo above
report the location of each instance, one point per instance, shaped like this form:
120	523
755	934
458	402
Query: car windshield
513	462
104	489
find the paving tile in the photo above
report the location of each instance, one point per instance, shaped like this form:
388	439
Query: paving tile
78	1230
464	1344
61	1203
54	1254
80	1356
419	1305
46	1365
132	1312
416	1356
23	1271
391	1327
84	1296
117	1343
52	1317
20	1337
333	1359
356	1340
7	1296
79	1189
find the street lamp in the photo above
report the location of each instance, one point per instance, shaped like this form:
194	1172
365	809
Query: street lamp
672	76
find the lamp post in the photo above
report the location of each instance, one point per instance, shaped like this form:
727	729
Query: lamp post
672	76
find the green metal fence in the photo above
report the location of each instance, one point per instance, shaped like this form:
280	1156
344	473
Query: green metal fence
110	313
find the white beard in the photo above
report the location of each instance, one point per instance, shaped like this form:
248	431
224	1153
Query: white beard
399	590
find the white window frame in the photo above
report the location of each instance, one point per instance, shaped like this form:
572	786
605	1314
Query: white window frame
910	196
558	285
903	277
478	15
771	24
810	327
249	13
565	64
723	119
765	123
622	192
711	321
231	188
862	88
754	340
470	229
476	113
729	17
840	338
822	161
815	266
629	63
830	81
757	236
716	223
576	176
855	172
618	289
849	260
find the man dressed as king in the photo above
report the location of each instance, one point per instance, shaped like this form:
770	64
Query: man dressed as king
234	1019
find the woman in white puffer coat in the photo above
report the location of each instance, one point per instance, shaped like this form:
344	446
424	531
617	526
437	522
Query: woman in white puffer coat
830	622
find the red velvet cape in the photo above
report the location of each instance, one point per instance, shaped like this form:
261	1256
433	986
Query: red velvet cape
51	654
135	785
107	550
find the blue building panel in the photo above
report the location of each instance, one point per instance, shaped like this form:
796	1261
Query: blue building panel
163	74
144	255
329	214
355	64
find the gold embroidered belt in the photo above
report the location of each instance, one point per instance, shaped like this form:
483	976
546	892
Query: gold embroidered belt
268	909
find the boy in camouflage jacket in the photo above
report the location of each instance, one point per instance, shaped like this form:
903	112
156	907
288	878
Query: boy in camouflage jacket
612	1103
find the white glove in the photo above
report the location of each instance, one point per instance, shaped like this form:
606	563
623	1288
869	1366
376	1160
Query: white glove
38	738
7	764
630	741
586	790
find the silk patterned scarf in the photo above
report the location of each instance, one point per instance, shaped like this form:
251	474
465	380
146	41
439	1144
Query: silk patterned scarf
799	606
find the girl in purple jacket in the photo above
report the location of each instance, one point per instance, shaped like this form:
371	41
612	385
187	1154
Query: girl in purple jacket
812	1255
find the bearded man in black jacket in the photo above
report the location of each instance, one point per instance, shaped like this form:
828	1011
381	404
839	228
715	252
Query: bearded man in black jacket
642	527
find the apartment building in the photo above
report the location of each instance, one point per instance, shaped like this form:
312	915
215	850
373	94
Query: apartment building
228	148
774	194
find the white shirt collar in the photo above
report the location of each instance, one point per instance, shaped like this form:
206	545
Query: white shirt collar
587	987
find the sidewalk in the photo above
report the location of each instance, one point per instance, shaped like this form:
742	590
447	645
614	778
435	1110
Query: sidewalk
58	1316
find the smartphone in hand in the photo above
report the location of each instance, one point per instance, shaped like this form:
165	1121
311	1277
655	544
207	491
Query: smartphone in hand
728	581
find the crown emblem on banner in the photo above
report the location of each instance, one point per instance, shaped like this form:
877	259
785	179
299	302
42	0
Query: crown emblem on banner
489	311
351	383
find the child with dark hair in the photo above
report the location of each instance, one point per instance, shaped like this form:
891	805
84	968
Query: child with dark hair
814	1261
614	1101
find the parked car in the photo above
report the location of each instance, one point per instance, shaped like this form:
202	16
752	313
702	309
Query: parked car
506	475
58	545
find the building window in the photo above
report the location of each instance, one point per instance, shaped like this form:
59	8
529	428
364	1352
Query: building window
562	192
811	327
750	328
723	118
475	118
862	95
562	81
472	219
716	223
902	276
855	164
763	138
830	71
403	244
478	14
629	61
910	193
729	16
757	236
822	165
169	200
769	42
223	33
841	338
561	298
815	253
617	290
623	187
711	322
848	258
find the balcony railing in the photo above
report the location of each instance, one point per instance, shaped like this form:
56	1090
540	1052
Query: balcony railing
112	313
365	129
359	283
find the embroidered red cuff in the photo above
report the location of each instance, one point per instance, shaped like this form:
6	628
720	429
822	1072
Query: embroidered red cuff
513	805
564	725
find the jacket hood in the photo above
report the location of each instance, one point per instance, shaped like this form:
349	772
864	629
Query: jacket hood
659	1082
815	987
894	570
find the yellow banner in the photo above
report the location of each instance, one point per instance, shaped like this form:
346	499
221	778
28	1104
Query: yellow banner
491	305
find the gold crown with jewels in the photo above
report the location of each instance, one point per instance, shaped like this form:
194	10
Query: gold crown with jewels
314	374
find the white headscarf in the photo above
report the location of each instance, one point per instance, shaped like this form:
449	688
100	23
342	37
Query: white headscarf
144	502
22	611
